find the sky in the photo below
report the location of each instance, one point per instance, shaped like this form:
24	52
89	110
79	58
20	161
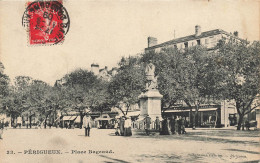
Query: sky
103	31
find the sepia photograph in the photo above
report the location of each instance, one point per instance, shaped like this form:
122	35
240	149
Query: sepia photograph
98	81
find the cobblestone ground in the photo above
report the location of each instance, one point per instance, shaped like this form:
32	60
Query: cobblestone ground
212	145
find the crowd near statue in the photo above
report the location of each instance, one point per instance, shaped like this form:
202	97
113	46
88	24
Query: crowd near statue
173	125
123	126
151	80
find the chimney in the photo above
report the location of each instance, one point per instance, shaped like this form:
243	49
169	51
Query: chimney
114	71
152	41
95	68
236	33
197	30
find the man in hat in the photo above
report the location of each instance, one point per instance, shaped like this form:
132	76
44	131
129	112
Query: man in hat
87	124
147	125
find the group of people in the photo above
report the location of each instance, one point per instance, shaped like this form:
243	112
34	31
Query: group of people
123	126
168	126
173	125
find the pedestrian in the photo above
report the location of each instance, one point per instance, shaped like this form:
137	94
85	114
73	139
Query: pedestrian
183	126
1	129
165	128
179	125
147	125
27	123
176	125
172	124
247	125
157	123
67	125
19	122
117	128
121	126
127	126
169	126
87	124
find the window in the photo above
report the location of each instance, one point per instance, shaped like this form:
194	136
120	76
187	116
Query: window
198	42
186	44
206	41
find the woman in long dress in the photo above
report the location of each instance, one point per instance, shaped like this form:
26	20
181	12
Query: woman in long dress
127	126
121	126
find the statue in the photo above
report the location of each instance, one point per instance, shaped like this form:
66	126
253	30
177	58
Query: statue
151	80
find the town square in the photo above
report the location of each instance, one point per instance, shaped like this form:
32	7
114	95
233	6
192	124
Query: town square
215	145
121	81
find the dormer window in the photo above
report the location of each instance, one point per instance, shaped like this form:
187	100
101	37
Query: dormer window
206	41
198	42
186	44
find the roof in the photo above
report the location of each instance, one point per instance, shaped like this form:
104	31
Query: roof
200	110
77	120
190	37
205	106
71	118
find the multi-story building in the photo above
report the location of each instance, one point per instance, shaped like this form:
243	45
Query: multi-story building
104	73
223	114
208	39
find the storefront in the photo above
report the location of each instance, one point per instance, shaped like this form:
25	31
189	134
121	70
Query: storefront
208	116
104	122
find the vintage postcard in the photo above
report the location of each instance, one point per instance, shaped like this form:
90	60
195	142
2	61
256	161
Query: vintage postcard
129	81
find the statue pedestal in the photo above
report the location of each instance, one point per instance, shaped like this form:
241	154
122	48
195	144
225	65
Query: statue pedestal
150	104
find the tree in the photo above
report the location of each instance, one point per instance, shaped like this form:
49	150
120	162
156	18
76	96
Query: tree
240	64
127	84
39	101
4	88
84	85
19	96
83	90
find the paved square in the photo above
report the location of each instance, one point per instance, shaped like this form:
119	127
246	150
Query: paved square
210	145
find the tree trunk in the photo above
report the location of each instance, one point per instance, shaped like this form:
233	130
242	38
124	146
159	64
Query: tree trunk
195	118
45	124
240	121
81	120
190	117
30	121
194	121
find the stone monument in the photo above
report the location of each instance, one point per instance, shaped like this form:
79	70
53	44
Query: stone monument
150	99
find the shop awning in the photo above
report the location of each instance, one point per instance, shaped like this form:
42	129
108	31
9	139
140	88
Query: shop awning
103	119
57	119
77	120
133	114
66	118
72	118
187	110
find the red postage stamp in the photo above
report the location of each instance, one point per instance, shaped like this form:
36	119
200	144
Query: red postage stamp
47	22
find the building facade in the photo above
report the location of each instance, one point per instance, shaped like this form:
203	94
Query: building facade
104	73
223	114
208	39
